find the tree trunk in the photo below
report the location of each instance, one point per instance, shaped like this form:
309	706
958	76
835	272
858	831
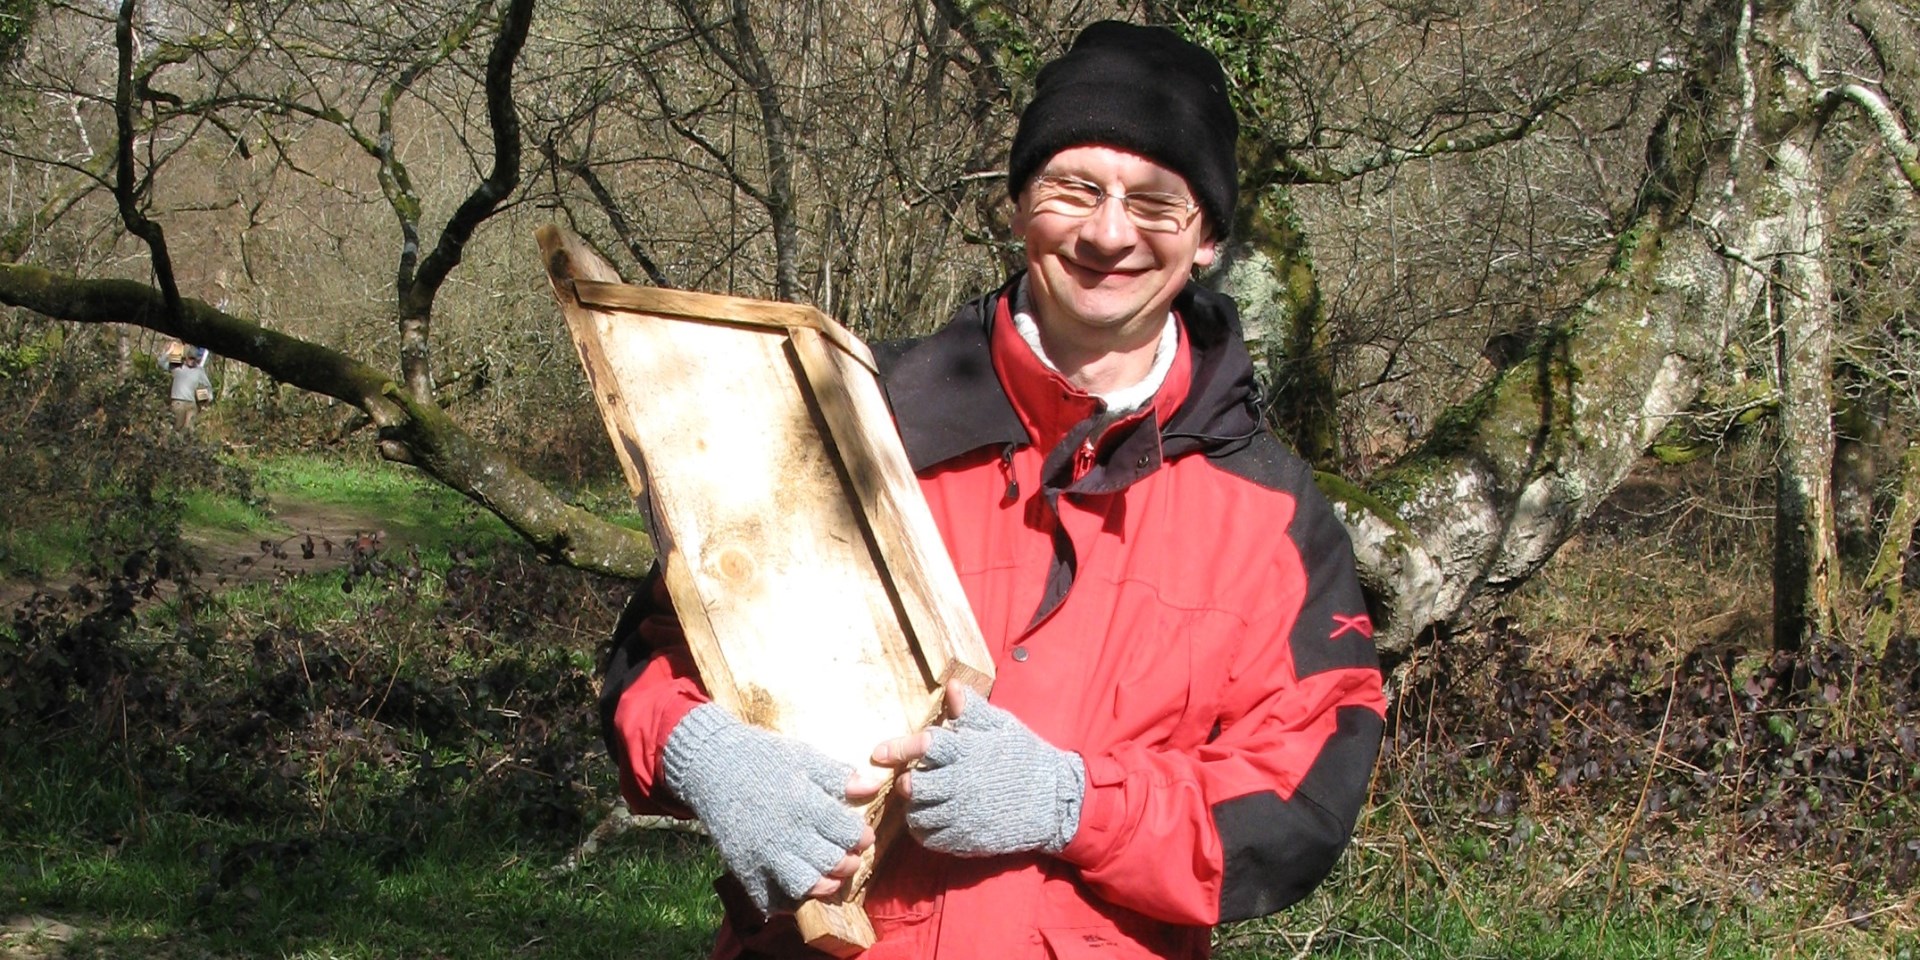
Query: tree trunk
1804	540
1503	479
1800	303
1269	272
1885	581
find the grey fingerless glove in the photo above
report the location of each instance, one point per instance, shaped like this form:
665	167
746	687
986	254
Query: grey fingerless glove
988	785
774	806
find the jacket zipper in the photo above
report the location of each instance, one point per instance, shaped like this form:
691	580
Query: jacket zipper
1006	468
1083	459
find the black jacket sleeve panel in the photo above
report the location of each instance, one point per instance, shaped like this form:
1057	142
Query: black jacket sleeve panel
1276	851
1335	631
627	656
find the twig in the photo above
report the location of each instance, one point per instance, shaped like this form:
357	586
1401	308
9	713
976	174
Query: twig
1640	803
1306	948
1843	921
616	822
1453	889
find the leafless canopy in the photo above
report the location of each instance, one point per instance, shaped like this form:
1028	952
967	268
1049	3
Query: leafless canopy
1488	253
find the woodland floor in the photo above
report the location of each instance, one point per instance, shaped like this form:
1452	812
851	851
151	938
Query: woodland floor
320	538
1617	766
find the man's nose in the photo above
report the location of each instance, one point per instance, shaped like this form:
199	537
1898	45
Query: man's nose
1110	227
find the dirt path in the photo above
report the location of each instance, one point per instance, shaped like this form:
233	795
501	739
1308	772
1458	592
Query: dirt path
323	538
34	938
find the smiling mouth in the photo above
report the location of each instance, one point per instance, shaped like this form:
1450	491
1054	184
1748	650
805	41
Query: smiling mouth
1094	276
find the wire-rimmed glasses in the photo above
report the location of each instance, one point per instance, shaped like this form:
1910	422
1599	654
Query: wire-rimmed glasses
1149	211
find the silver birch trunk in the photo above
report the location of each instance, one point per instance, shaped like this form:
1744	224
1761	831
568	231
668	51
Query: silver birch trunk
1508	476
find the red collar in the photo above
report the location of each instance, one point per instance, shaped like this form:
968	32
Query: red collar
1049	405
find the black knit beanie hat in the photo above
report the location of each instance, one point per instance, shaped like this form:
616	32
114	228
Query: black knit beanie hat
1142	89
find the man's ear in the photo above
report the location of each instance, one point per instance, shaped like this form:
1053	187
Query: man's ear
1203	256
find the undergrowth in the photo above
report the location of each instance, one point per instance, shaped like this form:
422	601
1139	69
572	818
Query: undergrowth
400	757
251	779
210	778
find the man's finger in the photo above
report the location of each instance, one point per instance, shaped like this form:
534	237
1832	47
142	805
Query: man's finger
827	887
956	697
864	785
900	751
847	867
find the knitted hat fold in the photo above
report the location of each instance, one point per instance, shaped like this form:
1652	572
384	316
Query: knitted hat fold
1142	89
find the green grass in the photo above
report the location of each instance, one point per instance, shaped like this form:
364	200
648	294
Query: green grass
51	546
1443	930
410	506
77	846
422	522
205	510
309	602
1390	898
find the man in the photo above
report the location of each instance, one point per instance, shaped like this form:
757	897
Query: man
190	388
1187	704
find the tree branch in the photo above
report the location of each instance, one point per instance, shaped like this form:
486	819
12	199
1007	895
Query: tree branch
127	188
584	172
1894	42
1279	168
1905	153
411	431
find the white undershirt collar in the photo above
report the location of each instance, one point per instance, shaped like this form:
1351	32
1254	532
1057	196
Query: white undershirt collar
1125	399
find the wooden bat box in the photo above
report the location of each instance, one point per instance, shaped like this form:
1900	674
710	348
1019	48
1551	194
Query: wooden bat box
808	574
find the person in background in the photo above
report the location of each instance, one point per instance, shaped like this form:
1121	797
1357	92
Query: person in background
191	388
1187	705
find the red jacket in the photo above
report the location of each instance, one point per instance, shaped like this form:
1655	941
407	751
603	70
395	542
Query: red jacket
1166	594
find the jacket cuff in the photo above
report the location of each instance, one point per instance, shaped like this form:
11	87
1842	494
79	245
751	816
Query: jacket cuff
1103	814
644	720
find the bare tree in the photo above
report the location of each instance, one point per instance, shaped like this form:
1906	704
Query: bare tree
412	427
1522	240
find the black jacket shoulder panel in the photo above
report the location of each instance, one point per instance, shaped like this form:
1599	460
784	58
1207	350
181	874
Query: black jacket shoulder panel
1334	632
1267	462
887	353
944	392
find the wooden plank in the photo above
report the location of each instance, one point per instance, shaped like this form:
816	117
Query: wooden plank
814	590
721	309
944	633
840	929
565	257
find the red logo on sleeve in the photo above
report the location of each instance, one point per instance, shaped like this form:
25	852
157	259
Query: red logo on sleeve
1359	623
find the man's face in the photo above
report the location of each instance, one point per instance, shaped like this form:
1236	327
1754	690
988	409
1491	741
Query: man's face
1100	279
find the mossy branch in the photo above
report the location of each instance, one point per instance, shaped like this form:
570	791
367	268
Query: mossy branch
1884	583
410	431
1893	135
